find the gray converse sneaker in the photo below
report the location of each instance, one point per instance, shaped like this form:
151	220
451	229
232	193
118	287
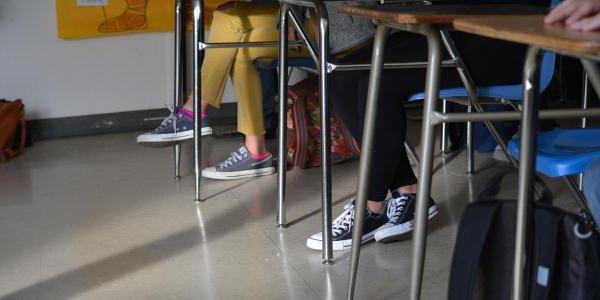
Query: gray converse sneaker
401	214
240	164
175	128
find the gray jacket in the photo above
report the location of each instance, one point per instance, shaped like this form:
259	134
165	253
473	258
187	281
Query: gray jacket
347	31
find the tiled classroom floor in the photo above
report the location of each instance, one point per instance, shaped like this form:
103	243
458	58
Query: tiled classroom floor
102	218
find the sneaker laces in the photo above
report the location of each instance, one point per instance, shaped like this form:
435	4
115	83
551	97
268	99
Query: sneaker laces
233	158
396	207
344	221
170	120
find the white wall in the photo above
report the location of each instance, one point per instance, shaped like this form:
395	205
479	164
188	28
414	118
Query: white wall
60	78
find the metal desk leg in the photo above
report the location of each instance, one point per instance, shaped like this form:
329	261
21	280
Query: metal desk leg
527	171
282	140
178	96
365	153
325	133
591	68
470	145
425	168
198	57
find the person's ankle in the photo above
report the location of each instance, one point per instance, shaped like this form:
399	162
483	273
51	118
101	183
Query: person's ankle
259	154
407	189
375	207
188	114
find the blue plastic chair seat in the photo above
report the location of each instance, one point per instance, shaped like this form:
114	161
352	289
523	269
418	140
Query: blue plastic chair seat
509	92
563	152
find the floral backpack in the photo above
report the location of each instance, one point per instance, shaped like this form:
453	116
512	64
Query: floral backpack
304	129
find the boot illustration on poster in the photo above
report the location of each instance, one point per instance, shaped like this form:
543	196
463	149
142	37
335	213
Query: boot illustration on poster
133	18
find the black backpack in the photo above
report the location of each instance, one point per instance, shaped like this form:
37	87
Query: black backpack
563	252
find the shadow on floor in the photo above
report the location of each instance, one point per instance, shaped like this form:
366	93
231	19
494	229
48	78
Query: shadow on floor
77	281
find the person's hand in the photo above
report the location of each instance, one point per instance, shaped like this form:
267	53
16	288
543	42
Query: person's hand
581	15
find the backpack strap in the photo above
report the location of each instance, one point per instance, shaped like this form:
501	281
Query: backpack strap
542	267
493	186
473	230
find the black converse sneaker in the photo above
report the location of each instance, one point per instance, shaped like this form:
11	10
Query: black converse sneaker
400	212
342	229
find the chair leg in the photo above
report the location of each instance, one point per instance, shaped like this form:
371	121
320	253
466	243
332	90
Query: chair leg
444	147
470	147
572	184
584	105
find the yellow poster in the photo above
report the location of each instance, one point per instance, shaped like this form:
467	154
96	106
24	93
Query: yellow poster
93	18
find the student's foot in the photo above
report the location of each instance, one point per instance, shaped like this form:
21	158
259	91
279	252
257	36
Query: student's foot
241	164
342	229
400	212
174	129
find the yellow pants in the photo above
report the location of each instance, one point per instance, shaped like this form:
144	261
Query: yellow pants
245	22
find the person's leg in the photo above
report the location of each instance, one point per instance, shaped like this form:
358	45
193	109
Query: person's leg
252	159
217	63
389	160
229	25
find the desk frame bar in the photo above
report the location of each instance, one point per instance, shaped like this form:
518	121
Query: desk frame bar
435	36
439	118
323	53
282	130
324	68
202	45
323	19
366	149
312	50
472	98
428	143
331	67
527	171
179	70
197	59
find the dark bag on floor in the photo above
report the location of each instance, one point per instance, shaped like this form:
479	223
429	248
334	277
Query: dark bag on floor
304	129
563	254
12	129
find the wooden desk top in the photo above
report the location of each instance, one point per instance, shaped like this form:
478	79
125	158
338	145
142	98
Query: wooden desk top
435	14
531	30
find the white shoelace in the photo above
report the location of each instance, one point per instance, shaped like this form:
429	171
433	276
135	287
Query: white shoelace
395	208
233	158
345	220
171	119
